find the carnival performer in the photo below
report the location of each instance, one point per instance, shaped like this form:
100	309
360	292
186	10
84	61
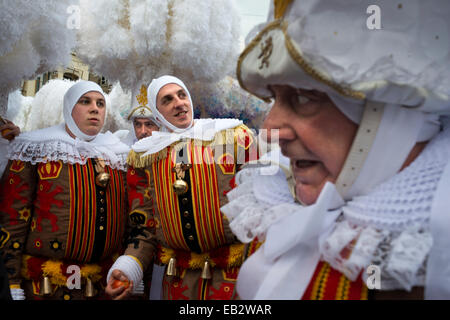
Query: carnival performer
63	202
143	124
142	120
177	181
362	115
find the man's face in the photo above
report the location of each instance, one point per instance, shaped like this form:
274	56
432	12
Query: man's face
89	112
314	134
174	105
144	127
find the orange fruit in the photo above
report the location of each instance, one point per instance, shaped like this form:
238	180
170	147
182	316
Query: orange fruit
118	283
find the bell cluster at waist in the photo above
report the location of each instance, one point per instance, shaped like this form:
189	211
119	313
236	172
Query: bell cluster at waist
222	257
36	268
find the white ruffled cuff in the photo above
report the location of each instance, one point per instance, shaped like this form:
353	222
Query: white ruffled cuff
17	294
132	270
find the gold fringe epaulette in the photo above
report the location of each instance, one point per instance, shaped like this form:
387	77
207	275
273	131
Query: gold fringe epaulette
137	160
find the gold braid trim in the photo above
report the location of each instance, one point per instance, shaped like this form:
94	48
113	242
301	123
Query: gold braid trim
297	57
136	160
280	7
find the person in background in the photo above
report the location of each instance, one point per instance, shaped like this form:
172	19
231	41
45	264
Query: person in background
144	124
177	181
141	116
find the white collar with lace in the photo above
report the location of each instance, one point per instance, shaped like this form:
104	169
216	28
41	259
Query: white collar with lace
389	227
203	129
54	143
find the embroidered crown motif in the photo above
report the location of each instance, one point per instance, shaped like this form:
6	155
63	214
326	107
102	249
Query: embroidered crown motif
49	170
226	163
142	96
17	166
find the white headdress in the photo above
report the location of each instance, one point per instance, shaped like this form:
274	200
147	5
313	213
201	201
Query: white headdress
388	80
71	98
153	90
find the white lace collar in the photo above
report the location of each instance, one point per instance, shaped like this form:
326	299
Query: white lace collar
388	227
54	143
203	129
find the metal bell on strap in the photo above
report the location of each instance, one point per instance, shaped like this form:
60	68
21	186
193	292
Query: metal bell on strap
172	267
46	286
89	290
206	271
102	179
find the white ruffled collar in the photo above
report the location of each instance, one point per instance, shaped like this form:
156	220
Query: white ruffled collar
54	143
389	227
203	129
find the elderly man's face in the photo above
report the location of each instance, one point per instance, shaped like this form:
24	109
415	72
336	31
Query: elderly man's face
89	112
173	103
314	134
144	127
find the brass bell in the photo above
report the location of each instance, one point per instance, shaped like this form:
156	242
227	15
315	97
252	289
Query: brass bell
206	272
102	179
46	286
89	290
172	267
180	187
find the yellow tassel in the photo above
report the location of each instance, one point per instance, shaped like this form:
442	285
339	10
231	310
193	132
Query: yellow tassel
166	254
197	259
53	269
92	272
236	255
